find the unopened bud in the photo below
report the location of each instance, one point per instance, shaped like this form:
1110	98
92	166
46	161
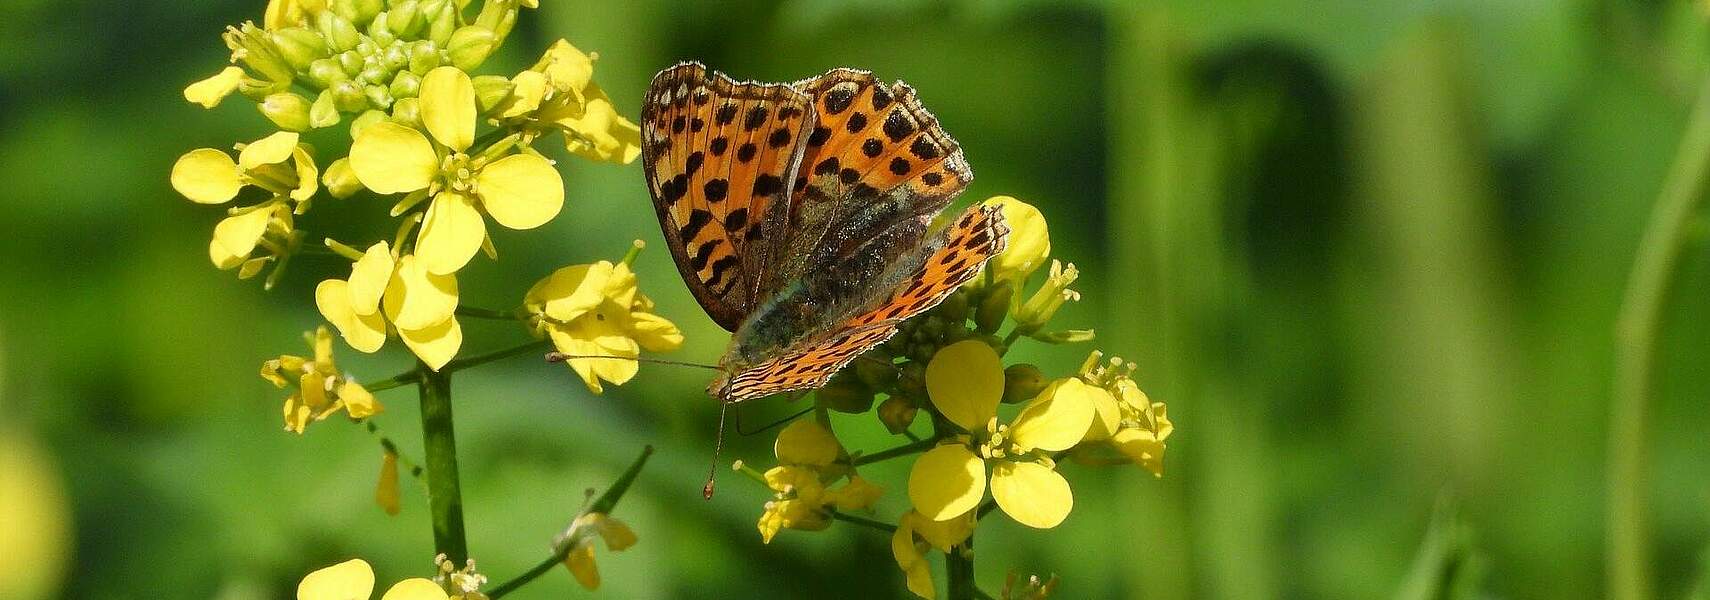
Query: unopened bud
897	413
407	111
988	317
405	85
378	97
298	46
490	90
441	20
363	120
325	72
912	381
1022	382
287	110
955	308
352	62
424	56
324	112
878	373
470	45
260	89
358	12
379	30
404	19
347	96
340	179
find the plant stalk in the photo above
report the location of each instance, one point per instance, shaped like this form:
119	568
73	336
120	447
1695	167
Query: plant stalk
959	563
1640	319
445	498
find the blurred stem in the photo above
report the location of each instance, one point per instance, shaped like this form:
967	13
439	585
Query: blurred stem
959	563
439	442
399	380
464	363
903	450
486	313
864	522
606	502
1635	354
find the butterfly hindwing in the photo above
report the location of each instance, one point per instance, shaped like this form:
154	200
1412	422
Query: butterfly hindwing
934	271
718	156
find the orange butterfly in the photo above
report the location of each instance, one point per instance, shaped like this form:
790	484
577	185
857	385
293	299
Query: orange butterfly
799	215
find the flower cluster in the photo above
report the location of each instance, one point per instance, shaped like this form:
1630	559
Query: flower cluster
599	320
318	389
948	364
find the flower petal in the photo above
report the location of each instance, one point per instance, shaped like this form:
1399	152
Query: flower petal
600	132
965	382
206	176
946	481
521	191
365	333
1142	447
369	277
654	333
1107	414
415	588
806	442
1029	241
390	158
577	342
572	291
580	561
618	536
209	92
235	237
308	175
269	150
1057	419
568	69
358	401
448	107
1031	493
451	234
349	580
435	345
529	87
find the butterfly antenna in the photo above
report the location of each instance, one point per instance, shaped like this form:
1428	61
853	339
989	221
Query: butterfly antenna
553	357
718	447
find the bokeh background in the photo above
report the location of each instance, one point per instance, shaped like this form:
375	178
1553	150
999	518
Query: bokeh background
1369	251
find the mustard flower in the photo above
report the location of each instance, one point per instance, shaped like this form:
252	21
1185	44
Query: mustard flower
1125	420
559	93
597	310
276	163
1029	241
580	537
807	453
354	580
384	288
320	390
965	382
518	190
915	535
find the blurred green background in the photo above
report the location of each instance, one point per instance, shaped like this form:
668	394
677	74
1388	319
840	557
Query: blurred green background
1370	252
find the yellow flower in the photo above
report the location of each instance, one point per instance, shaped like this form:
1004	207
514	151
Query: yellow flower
276	163
236	237
1029	241
320	390
580	537
965	381
596	310
384	288
559	93
807	453
1126	419
915	535
354	580
518	190
1049	297
209	92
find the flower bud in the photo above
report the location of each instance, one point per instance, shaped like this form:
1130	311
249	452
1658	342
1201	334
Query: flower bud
378	96
358	12
340	179
424	56
325	72
897	413
287	110
407	111
324	112
405	85
1022	382
988	317
298	46
348	96
363	120
441	20
845	394
374	71
1067	336
912	380
404	19
470	45
498	17
954	309
395	57
878	374
491	90
352	62
260	89
378	29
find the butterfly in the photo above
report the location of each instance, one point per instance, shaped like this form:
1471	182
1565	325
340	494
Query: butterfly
800	216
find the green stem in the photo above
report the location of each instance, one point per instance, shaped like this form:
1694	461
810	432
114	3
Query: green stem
1640	319
864	522
486	313
464	363
445	500
959	563
606	502
903	450
399	380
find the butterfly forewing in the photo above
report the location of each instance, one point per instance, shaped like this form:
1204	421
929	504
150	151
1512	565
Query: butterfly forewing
717	156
